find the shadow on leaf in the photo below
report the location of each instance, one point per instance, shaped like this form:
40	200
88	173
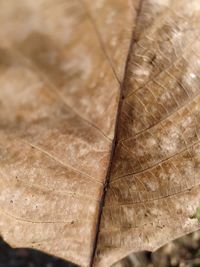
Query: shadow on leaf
25	257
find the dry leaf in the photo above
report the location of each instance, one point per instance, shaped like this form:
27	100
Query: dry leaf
99	125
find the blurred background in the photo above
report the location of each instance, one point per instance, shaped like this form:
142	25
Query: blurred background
183	252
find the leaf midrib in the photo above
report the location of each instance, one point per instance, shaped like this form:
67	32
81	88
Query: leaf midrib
115	139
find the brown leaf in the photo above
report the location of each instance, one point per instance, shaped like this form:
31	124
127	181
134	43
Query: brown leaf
154	181
99	143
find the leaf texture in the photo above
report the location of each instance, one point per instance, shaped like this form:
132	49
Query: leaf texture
99	123
59	96
153	187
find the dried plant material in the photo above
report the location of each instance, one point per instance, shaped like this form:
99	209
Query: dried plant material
99	125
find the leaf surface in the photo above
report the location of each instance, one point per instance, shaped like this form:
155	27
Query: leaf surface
153	190
99	125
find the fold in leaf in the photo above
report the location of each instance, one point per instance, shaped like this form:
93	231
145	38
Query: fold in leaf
99	125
